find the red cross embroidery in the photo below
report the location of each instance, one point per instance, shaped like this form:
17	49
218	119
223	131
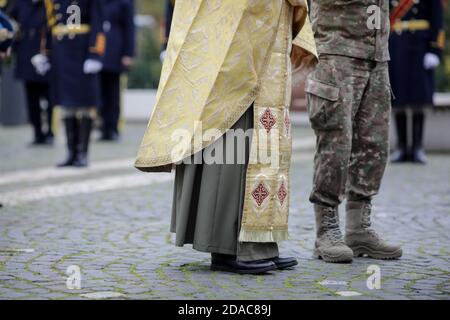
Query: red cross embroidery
282	193
287	123
268	120
260	194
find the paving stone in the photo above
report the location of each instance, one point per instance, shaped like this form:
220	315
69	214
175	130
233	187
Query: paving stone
120	239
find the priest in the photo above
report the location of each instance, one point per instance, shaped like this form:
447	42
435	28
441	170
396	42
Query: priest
226	81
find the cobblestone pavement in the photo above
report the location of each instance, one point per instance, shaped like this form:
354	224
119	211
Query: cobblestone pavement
112	222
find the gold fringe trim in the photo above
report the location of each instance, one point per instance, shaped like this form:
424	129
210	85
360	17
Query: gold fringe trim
263	236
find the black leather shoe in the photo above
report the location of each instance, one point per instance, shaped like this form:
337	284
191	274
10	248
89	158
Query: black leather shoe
49	140
68	162
418	156
284	263
81	160
38	141
109	137
400	155
228	263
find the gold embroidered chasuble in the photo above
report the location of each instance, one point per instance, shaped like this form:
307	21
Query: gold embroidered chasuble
222	57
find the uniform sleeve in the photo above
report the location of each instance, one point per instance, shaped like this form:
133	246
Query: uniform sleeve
97	40
130	29
437	37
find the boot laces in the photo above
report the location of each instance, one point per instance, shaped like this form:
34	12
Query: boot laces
331	225
366	222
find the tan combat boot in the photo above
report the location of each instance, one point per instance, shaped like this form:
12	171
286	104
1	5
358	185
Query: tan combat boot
329	243
361	238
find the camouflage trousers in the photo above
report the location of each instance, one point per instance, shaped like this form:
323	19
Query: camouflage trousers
349	104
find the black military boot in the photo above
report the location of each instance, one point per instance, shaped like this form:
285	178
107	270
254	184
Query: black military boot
71	125
401	153
418	153
84	136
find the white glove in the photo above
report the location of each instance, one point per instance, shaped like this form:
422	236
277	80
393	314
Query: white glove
41	64
92	66
431	61
162	56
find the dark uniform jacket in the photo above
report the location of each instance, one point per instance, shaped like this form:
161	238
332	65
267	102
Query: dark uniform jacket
170	6
341	28
31	39
120	33
417	28
71	47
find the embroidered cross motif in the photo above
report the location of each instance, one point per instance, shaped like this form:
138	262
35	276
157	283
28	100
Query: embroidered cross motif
282	193
260	194
268	120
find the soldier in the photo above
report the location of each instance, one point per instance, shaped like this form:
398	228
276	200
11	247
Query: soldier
6	33
31	41
77	47
120	38
416	45
349	102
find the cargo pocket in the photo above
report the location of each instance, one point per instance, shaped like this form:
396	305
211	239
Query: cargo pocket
323	103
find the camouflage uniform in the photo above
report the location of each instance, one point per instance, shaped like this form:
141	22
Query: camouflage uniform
349	100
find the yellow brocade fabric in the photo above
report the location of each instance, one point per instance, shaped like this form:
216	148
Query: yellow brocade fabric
222	57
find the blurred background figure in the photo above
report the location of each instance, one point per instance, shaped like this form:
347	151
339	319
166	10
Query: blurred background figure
165	26
6	33
31	40
416	46
120	49
77	47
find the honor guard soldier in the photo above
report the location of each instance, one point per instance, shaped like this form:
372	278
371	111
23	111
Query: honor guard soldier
6	32
119	30
416	45
77	47
30	41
